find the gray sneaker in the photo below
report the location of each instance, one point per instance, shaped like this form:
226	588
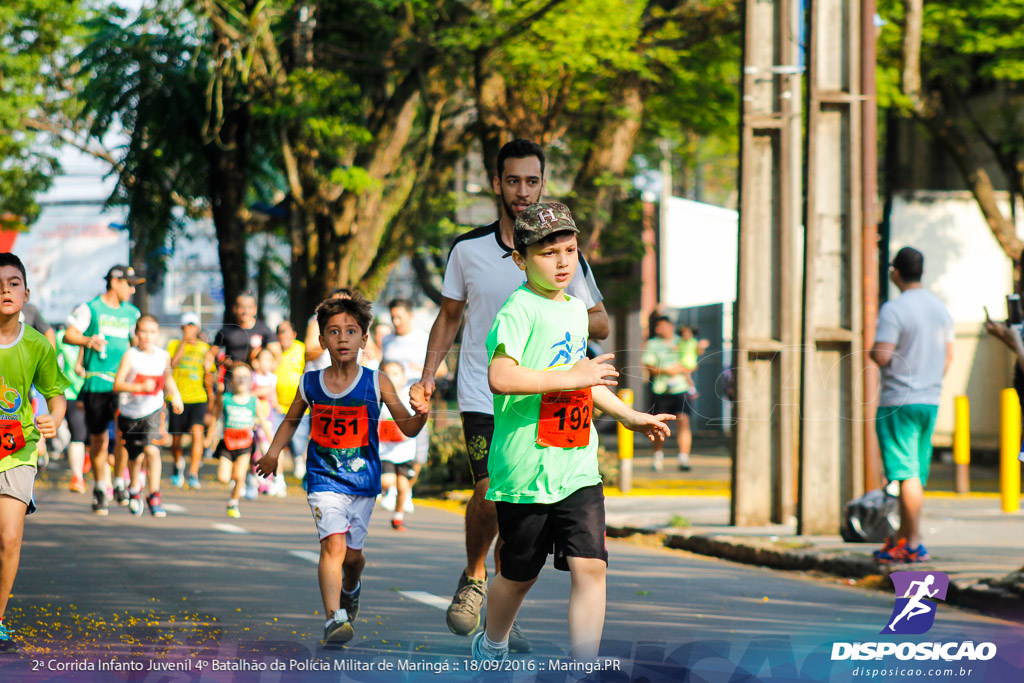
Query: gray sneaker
517	642
339	630
350	603
464	613
481	656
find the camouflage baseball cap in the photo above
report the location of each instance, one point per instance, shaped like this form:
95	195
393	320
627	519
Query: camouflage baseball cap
537	221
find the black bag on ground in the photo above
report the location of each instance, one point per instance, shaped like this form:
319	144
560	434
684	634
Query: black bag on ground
871	518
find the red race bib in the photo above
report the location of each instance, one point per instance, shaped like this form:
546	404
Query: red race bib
237	439
158	384
340	426
389	432
565	419
12	437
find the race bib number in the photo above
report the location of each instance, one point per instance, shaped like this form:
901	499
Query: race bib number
389	432
158	384
340	426
565	419
12	437
237	439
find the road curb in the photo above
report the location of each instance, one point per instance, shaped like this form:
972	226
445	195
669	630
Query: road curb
1002	597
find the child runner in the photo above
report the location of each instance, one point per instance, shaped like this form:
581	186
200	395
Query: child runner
343	461
192	361
68	360
142	379
241	414
543	469
397	452
264	388
26	359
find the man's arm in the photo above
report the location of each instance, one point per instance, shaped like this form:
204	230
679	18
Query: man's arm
439	343
313	348
949	358
882	353
598	326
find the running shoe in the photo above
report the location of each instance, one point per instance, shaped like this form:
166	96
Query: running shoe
177	479
120	495
252	491
156	505
77	485
398	525
517	642
193	482
656	463
388	500
350	602
7	644
300	468
339	629
892	553
135	505
684	464
99	502
408	506
918	554
233	511
463	615
279	489
481	656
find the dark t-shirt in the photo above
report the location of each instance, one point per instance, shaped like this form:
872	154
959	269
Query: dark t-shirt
34	319
240	344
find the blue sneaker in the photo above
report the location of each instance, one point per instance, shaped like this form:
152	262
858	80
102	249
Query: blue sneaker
481	656
193	482
7	643
918	554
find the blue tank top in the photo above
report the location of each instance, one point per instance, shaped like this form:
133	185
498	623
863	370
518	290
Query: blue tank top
343	454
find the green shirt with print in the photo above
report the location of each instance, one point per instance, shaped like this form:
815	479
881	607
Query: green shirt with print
29	360
540	334
116	326
662	354
67	357
239	414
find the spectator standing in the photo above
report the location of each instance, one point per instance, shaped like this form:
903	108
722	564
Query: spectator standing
913	348
664	359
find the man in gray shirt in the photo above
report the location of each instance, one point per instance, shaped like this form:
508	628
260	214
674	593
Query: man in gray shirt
913	348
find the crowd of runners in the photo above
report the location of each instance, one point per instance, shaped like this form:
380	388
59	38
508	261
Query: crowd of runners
348	405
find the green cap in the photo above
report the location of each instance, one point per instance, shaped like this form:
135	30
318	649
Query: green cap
537	221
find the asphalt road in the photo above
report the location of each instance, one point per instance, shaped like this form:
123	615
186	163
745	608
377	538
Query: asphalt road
204	593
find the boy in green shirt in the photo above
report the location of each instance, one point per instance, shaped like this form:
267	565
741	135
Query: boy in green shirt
542	464
26	359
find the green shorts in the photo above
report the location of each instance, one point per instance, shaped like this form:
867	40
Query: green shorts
905	440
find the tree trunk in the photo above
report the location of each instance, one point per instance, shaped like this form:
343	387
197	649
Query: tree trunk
229	179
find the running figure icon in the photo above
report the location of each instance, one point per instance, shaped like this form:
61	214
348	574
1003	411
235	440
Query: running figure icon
915	607
916	593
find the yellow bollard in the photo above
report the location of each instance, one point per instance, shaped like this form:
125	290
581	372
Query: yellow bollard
962	444
625	448
1009	448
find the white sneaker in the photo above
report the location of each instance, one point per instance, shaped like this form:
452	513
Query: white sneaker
299	470
408	507
657	463
389	499
279	489
252	487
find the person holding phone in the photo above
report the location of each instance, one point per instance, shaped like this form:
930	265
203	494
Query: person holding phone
1010	333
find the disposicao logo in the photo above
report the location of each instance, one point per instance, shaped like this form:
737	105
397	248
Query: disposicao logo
10	399
914	614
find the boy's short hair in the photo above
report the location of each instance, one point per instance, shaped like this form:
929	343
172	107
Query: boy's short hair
520	149
400	303
539	223
386	363
356	306
239	373
146	317
9	259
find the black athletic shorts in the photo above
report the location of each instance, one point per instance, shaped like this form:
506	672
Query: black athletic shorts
75	415
194	414
100	409
572	527
137	433
224	452
478	428
674	404
405	469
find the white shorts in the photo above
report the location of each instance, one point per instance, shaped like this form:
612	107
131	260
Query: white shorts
341	513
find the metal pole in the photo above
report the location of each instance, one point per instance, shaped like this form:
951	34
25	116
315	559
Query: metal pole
625	448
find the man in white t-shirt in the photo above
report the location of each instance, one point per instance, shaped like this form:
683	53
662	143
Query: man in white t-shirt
406	345
478	281
913	349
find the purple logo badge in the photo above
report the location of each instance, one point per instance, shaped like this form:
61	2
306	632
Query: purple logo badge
914	612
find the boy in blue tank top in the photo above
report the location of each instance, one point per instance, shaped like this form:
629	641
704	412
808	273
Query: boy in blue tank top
342	459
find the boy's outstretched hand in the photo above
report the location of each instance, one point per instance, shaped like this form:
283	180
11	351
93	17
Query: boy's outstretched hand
652	425
596	372
266	465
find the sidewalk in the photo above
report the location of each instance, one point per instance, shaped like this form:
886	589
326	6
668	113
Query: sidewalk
969	538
